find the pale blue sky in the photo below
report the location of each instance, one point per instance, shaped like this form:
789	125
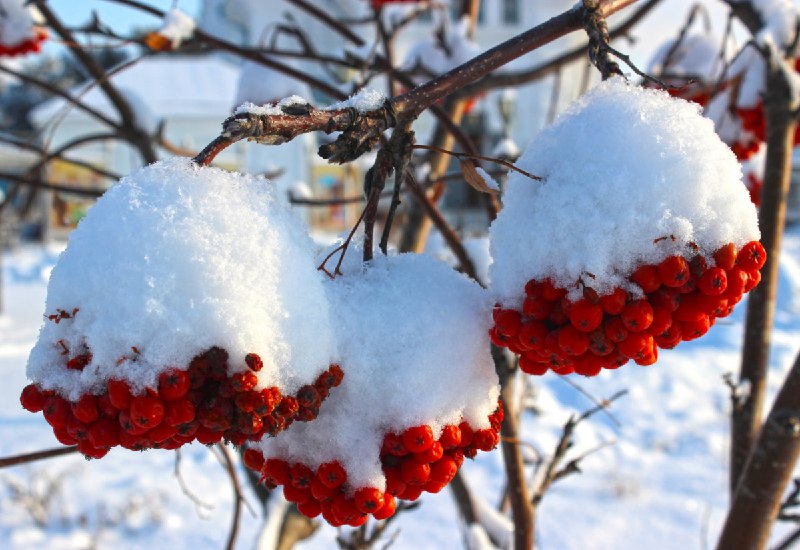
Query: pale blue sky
118	17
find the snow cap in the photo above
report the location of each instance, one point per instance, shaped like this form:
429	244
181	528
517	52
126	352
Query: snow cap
413	346
630	176
177	258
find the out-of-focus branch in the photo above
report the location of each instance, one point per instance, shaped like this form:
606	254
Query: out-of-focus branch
38	455
766	474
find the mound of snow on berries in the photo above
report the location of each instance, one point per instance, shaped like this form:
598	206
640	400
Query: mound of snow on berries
413	345
175	259
630	176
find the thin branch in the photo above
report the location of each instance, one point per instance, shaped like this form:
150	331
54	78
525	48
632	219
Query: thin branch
38	455
238	498
495	160
199	504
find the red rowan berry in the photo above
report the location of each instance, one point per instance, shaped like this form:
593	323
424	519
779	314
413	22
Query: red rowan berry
331	474
147	411
647	278
573	341
507	322
254	362
444	469
725	257
662	319
415	473
56	411
309	508
104	433
86	409
451	436
637	316
296	494
173	384
253	459
752	256
585	316
368	500
275	470
345	509
418	438
599	344
322	492
388	508
615	330
119	392
301	476
614	303
550	292
537	308
713	282
32	398
532	366
673	271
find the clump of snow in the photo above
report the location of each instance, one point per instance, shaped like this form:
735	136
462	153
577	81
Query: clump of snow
779	19
631	176
439	54
506	148
365	100
176	26
269	109
491	183
175	259
16	23
260	85
412	342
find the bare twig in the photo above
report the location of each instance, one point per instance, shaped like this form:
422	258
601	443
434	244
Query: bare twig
200	505
38	455
238	498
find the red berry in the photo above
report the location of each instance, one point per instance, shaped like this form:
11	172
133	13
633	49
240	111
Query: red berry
415	473
89	450
254	362
599	344
368	500
86	409
550	292
615	330
345	509
301	476
331	474
104	433
637	316
725	256
173	384
388	508
275	470
674	271
56	411
636	344
451	437
662	319
147	411
647	278
532	334
585	316
530	365
309	508
32	398
296	494
444	469
753	278
689	310
119	392
614	303
322	492
573	341
431	454
243	381
752	256
253	459
179	412
737	281
485	440
507	322
418	438
713	282
691	330
537	308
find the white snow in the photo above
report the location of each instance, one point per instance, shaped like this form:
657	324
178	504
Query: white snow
262	85
625	170
175	259
432	58
365	100
16	24
177	26
491	183
269	109
413	346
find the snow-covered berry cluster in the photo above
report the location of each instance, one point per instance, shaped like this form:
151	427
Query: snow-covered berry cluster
412	462
608	258
420	393
187	306
18	34
204	403
682	298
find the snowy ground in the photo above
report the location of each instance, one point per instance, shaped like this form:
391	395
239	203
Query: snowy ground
661	484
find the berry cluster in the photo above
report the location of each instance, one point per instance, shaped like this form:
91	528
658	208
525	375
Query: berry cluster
32	44
206	402
413	462
682	299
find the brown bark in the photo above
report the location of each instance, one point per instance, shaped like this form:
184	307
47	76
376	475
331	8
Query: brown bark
767	473
747	414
